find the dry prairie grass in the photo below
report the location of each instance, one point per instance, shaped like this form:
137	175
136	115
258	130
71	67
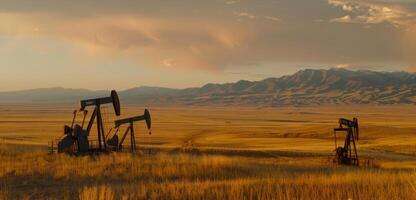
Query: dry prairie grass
307	129
243	153
36	175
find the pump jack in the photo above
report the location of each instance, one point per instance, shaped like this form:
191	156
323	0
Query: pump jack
348	153
118	145
77	135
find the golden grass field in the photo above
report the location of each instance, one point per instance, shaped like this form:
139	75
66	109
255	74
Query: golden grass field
213	153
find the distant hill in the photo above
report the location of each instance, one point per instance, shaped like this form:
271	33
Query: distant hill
306	87
48	95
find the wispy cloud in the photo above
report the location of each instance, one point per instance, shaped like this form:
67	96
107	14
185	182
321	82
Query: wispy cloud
272	18
253	16
245	14
232	2
344	19
367	12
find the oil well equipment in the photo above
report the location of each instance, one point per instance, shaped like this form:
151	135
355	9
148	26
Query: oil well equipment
347	154
116	143
76	138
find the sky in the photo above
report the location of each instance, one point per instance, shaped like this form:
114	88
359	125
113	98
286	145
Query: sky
103	44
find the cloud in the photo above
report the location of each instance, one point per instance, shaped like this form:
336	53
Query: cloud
367	12
245	14
210	35
409	43
168	62
232	2
342	65
187	44
252	16
272	18
345	19
377	12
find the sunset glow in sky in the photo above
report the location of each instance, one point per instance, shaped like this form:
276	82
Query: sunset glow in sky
103	44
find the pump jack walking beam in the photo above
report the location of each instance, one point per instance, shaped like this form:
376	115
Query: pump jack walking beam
130	128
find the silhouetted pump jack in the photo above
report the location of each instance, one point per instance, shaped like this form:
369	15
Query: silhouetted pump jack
75	139
118	144
347	154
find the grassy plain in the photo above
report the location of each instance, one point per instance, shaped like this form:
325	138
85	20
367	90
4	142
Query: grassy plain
213	153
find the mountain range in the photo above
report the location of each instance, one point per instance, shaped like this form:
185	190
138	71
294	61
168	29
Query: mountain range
305	87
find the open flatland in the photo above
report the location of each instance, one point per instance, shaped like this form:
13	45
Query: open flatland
213	152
